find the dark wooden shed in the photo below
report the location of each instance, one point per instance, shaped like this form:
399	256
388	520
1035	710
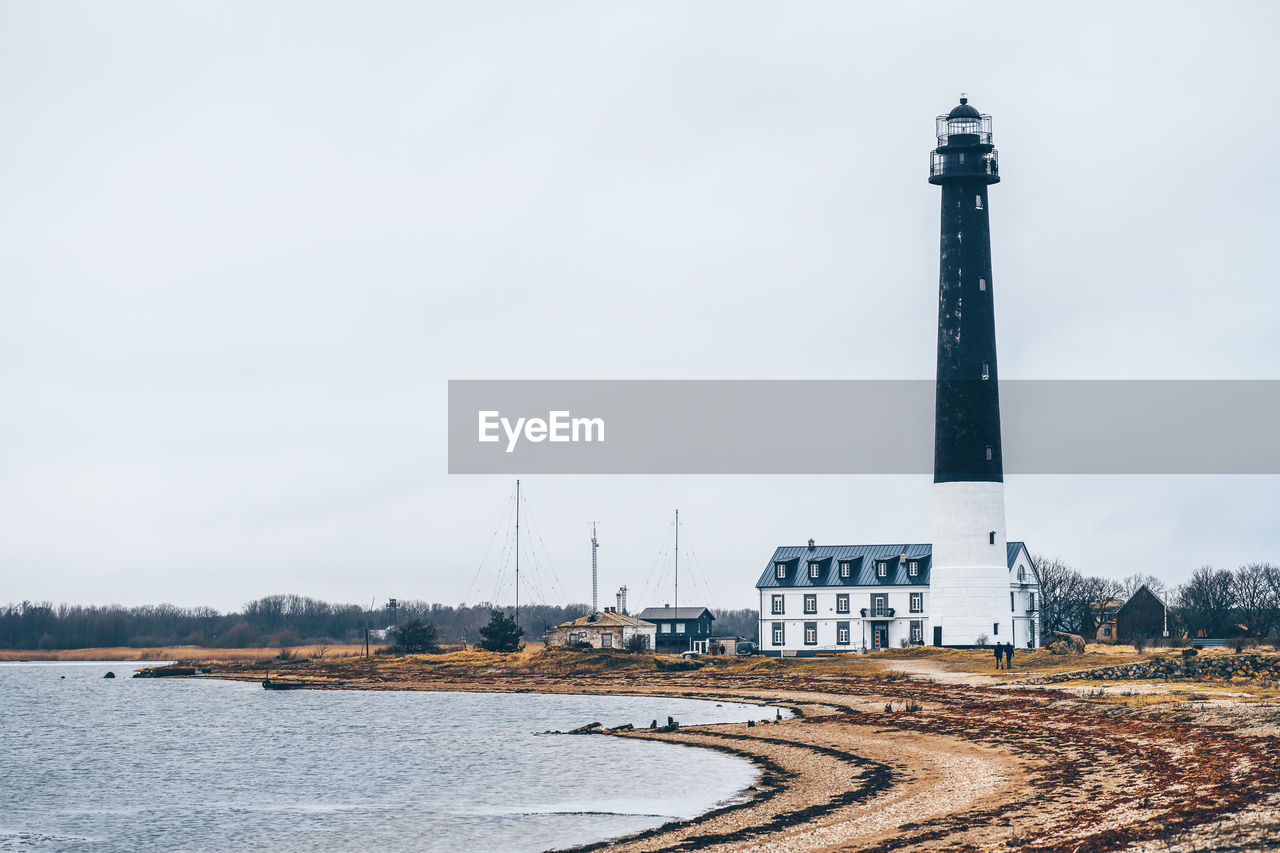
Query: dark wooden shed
1141	616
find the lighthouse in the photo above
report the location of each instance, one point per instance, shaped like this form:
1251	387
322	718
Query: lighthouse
970	574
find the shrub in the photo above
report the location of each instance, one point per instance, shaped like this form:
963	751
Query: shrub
981	641
284	638
502	634
580	645
415	637
1139	644
638	643
239	637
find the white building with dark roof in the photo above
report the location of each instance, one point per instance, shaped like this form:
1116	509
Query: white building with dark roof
824	599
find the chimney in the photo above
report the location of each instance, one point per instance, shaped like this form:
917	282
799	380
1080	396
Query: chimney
810	544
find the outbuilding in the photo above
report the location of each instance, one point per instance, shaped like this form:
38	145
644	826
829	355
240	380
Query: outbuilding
605	629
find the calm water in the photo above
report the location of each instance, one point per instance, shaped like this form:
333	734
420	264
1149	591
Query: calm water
90	764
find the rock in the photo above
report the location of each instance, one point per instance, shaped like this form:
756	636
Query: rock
751	724
109	674
1058	647
1073	642
589	728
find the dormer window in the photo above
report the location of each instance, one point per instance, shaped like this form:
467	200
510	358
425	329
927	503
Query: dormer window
913	568
815	569
780	571
846	570
882	569
1022	574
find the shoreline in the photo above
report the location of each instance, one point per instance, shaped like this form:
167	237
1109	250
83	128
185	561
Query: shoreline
938	758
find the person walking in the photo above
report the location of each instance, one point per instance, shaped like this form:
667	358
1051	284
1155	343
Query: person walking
1008	655
999	652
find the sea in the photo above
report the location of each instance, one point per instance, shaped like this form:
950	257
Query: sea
95	764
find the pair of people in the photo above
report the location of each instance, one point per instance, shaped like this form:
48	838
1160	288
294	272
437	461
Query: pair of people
1004	650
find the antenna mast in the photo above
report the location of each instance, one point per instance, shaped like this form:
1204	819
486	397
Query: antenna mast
517	553
677	613
595	545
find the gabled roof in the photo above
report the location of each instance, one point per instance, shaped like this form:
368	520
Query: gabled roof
606	619
1144	594
863	560
652	613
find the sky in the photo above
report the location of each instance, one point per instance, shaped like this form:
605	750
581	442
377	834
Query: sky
244	247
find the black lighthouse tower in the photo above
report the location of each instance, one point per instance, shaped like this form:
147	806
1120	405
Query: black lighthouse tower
969	579
967	437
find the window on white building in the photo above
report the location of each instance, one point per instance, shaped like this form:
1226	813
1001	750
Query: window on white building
814	569
842	602
811	604
779	604
917	602
606	641
846	570
879	604
811	633
882	569
842	633
779	634
917	631
780	571
1031	601
913	568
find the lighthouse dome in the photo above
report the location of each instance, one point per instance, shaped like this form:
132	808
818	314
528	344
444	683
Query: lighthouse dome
964	111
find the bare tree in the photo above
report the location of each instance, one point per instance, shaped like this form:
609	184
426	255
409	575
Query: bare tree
1205	602
1137	581
1255	588
1093	596
1058	588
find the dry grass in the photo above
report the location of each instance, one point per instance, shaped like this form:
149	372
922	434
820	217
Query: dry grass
191	653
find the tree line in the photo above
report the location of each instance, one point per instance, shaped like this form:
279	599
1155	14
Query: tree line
275	620
1213	602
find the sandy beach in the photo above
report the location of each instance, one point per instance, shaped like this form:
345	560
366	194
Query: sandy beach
911	751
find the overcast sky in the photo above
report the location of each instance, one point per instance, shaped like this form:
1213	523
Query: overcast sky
243	247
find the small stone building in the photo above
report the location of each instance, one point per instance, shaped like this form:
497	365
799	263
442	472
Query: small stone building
1143	615
606	629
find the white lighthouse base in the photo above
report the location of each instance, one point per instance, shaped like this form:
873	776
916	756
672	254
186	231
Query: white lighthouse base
969	575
